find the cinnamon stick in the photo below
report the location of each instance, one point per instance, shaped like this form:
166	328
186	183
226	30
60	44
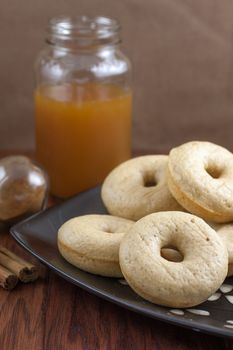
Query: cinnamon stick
25	271
8	280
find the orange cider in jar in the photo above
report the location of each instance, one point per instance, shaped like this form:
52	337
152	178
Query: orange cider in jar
82	132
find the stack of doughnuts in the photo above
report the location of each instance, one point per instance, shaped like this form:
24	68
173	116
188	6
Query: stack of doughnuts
169	230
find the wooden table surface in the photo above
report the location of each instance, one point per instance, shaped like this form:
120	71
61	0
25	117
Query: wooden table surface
52	314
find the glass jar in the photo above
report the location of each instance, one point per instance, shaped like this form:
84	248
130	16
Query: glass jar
83	103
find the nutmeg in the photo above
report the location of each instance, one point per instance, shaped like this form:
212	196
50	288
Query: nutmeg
23	188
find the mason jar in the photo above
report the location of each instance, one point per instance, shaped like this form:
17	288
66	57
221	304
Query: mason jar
83	103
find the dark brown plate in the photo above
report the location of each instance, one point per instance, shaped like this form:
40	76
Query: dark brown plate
38	234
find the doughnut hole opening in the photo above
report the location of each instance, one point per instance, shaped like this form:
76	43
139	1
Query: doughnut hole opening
214	170
171	253
109	230
149	179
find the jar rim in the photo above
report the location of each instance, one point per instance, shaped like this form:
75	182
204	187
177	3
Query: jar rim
76	27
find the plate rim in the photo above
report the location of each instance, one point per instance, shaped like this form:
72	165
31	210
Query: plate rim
166	317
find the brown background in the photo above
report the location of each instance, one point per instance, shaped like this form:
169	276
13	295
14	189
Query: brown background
182	52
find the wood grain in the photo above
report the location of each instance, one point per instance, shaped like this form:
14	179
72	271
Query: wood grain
53	314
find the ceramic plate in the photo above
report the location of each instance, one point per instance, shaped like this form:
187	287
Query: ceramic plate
38	235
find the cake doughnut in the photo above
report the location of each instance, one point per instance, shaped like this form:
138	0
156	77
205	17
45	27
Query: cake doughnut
138	187
174	284
91	243
225	232
200	177
230	270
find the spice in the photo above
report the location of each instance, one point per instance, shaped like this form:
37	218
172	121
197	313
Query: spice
23	188
14	268
8	279
25	271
